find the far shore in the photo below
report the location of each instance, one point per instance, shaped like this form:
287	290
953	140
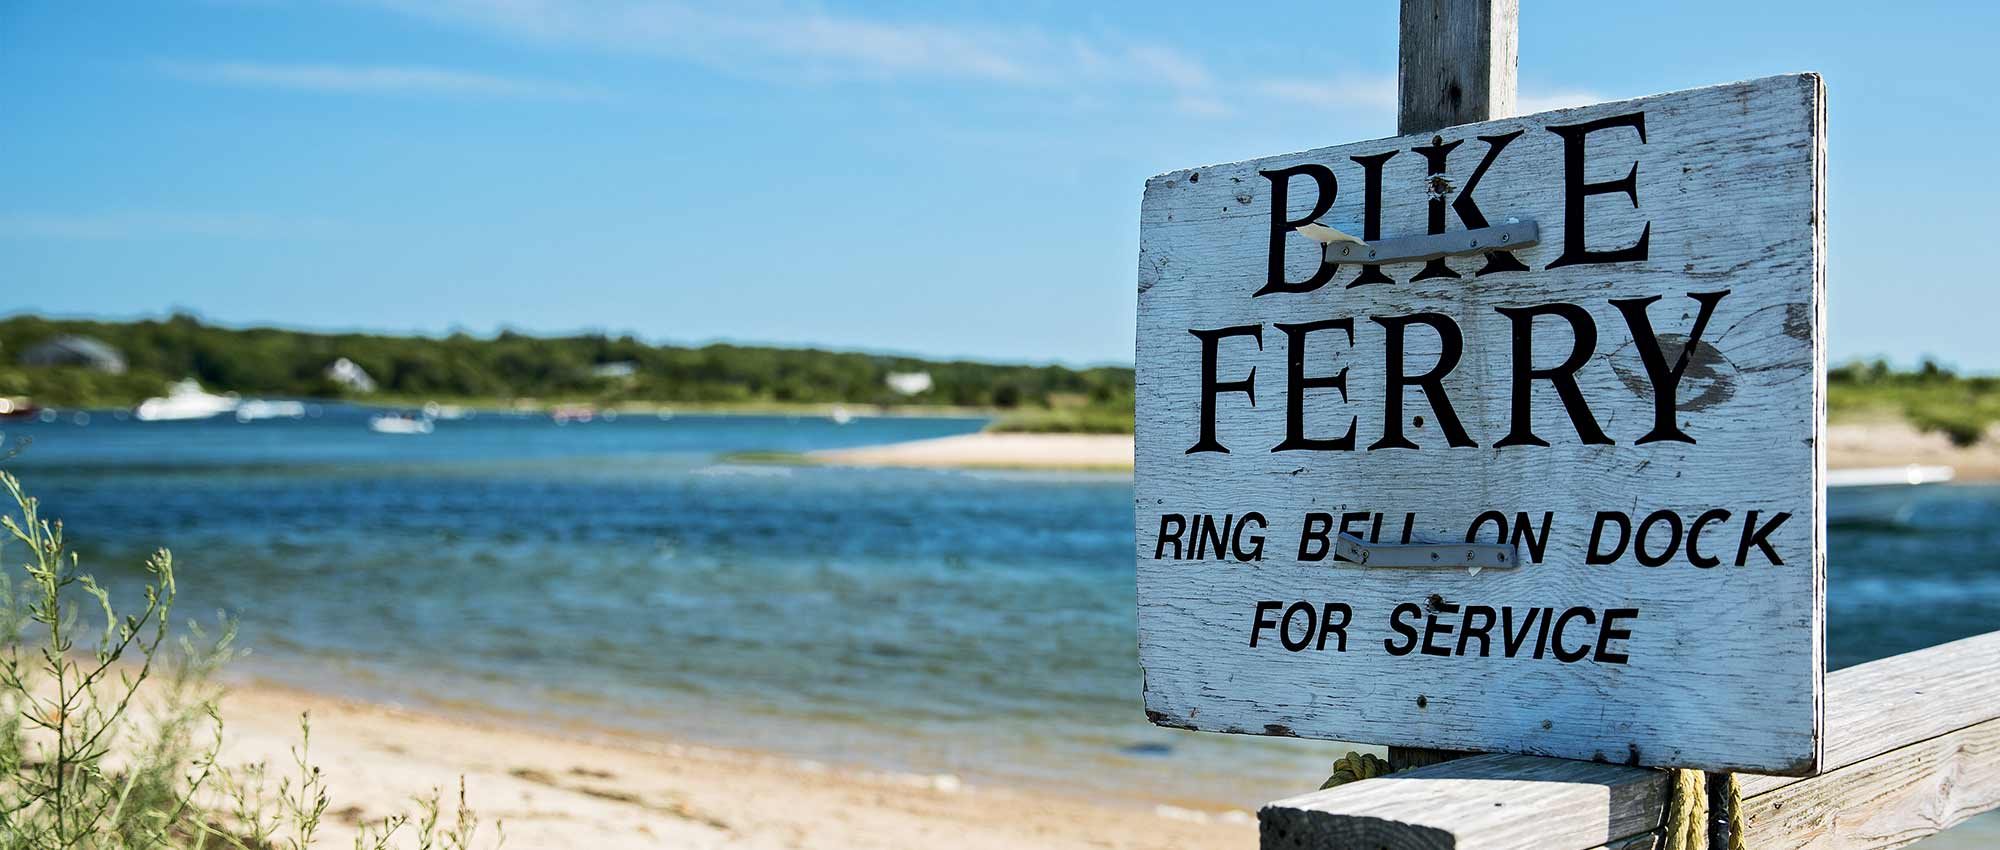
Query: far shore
988	450
586	787
1850	445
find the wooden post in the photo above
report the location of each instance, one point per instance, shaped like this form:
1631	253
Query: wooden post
1456	65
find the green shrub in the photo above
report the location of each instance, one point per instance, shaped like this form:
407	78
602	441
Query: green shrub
109	733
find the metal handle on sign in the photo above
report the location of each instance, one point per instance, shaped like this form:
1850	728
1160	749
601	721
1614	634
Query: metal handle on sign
1470	556
1512	236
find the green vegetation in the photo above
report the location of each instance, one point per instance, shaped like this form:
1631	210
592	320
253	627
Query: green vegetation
1107	418
511	366
1931	398
110	735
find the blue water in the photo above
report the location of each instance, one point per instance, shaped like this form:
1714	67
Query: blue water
620	573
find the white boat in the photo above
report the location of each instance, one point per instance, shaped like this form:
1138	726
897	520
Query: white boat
399	423
840	416
185	399
435	411
1879	496
257	408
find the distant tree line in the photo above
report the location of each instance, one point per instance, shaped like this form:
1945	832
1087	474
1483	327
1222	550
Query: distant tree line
1932	397
513	366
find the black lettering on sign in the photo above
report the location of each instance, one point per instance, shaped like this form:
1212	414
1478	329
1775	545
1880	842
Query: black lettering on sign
1314	545
1434	628
1256	553
1328	626
1596	557
1583	333
1259	622
1569	641
1694	538
1371	213
1434	156
1563	654
1352	517
1607	633
1208	538
1468	209
1431	382
1296	384
1757	536
1673	521
1511	641
1285	629
1499	521
1666	382
1210	342
1281	181
1409	632
1467	631
1524	532
1575	190
1330	621
1171	526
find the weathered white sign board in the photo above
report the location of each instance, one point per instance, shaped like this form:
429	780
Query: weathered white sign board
1633	405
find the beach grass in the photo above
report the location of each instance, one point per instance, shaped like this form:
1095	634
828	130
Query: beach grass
111	728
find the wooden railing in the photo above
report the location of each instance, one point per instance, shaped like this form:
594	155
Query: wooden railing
1913	748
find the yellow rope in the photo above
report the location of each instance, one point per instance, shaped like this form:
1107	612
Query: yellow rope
1686	826
1355	767
1732	808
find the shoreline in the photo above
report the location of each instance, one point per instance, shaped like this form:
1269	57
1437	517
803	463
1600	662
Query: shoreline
988	450
1850	445
581	784
545	406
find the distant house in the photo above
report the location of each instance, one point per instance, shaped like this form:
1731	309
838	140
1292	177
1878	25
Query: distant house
619	369
348	374
73	350
909	383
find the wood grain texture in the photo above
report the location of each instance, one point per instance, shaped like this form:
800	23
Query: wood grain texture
1913	747
1457	63
1725	663
1445	49
1887	800
1486	802
1642	841
1892	703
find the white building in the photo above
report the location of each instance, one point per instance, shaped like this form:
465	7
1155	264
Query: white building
909	383
349	374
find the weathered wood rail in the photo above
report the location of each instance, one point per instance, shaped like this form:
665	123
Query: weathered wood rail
1913	748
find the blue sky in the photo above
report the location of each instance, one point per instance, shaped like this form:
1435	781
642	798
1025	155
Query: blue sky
807	173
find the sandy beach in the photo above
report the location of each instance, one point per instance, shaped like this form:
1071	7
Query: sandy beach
995	451
591	788
1849	445
1854	445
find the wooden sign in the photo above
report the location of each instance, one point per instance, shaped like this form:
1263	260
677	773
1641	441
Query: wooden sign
1589	342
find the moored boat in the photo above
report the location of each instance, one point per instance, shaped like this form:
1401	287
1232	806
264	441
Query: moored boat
562	413
18	408
399	423
257	408
1881	495
185	399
